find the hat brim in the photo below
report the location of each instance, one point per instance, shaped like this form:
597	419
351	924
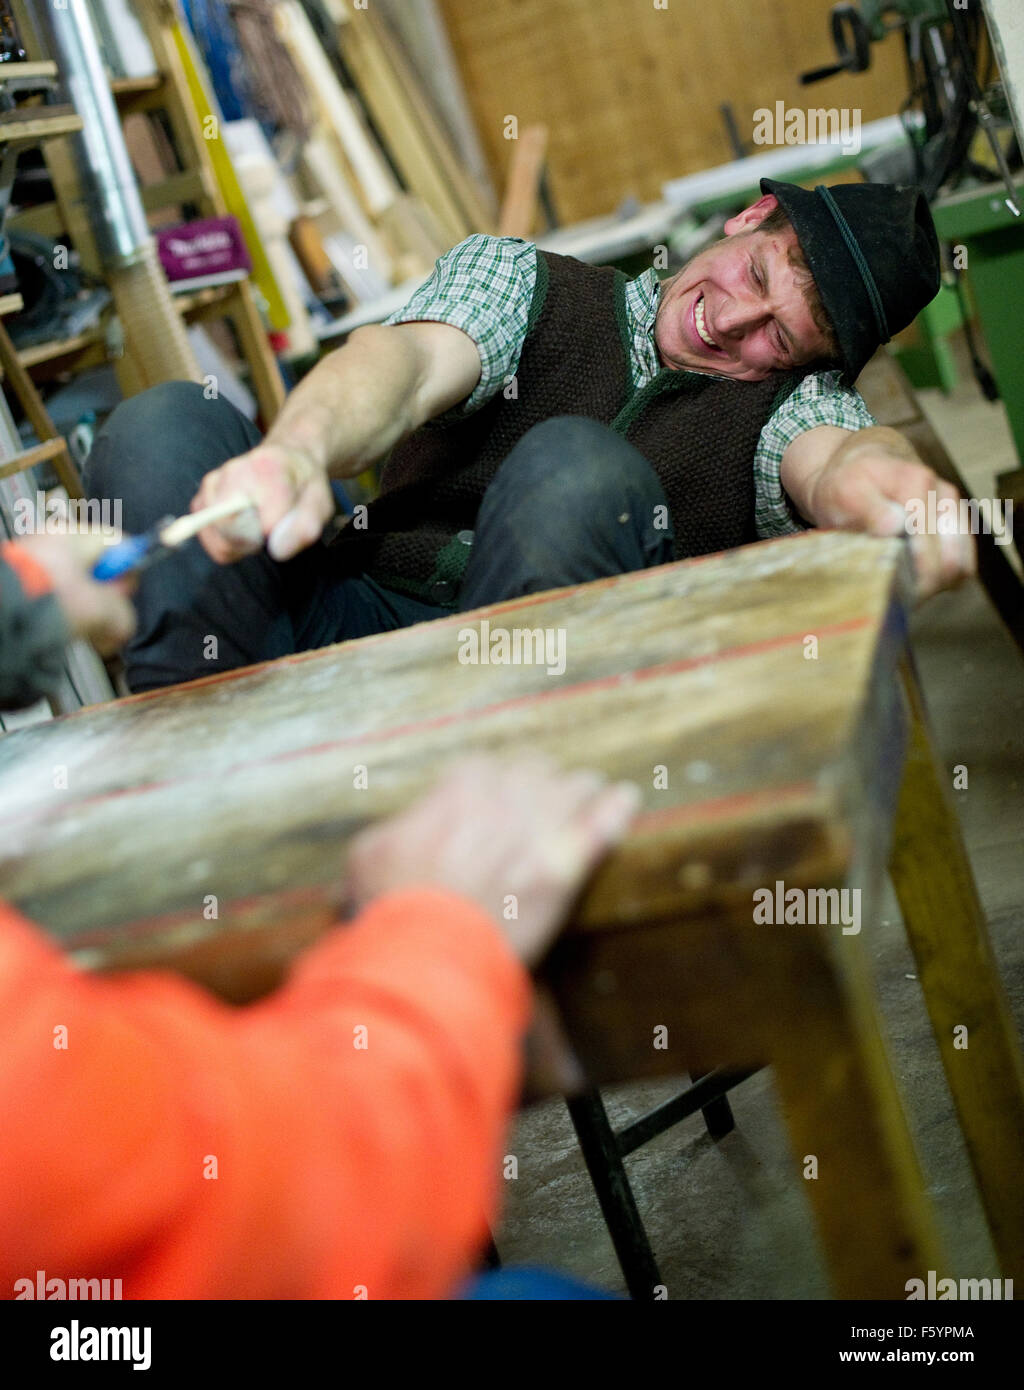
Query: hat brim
828	260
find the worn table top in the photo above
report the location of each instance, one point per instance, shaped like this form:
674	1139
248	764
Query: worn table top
736	690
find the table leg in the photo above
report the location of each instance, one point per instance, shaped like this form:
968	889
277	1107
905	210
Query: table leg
800	999
843	1110
970	1016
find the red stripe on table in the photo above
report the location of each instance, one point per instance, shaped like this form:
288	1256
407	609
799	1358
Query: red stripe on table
440	721
443	720
507	606
327	895
286	900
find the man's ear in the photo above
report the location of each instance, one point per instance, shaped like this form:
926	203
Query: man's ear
752	216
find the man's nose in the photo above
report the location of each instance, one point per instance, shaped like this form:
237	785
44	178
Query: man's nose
740	316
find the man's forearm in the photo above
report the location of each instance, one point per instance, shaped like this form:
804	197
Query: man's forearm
823	451
355	404
348	412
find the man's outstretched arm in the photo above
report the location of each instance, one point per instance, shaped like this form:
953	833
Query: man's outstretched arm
861	480
350	410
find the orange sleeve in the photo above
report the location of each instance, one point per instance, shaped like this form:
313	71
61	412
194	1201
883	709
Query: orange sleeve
339	1139
33	577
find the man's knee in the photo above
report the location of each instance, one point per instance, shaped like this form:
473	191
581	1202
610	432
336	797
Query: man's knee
156	446
152	417
574	466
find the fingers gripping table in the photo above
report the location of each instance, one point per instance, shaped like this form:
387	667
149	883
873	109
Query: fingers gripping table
756	699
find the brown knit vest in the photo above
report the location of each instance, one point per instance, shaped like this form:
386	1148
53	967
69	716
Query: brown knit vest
698	432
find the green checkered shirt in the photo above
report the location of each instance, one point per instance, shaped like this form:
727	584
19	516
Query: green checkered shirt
485	286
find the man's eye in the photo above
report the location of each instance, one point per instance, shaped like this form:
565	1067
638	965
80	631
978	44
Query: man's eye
756	275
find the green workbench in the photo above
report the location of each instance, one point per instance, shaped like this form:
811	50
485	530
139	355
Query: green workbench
980	221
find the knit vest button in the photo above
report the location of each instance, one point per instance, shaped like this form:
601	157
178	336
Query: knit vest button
442	591
466	537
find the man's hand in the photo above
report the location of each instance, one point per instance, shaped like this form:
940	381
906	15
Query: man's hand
490	830
862	481
99	612
291	494
351	409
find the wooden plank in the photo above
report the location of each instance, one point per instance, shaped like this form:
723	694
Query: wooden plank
25	391
53	445
401	124
267	384
970	1016
308	246
43	220
71	203
452	168
126	87
413	231
375	179
188	186
522	191
10	72
843	1111
324	168
31	125
420	30
28	458
60	347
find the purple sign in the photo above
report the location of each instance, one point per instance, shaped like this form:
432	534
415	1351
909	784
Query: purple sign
213	247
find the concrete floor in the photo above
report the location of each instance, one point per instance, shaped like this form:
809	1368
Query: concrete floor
730	1220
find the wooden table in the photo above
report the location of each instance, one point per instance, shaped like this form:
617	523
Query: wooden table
755	698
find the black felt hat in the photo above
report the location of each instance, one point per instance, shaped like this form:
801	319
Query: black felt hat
874	255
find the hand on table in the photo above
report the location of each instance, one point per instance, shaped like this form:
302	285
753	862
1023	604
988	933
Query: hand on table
865	487
490	829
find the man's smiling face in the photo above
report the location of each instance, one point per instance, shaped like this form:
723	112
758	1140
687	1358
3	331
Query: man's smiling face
741	307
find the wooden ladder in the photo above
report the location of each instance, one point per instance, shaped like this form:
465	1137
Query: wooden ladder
195	185
21	128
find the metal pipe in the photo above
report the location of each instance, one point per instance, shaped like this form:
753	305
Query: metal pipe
105	172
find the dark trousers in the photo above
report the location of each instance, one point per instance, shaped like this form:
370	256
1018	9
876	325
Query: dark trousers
571	502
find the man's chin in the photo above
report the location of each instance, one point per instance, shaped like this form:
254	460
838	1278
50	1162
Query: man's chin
711	368
680	357
686	360
677	361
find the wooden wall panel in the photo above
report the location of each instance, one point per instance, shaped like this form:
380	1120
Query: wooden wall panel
630	93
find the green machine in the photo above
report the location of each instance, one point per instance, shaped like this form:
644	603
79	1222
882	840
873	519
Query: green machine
974	191
989	242
855	28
